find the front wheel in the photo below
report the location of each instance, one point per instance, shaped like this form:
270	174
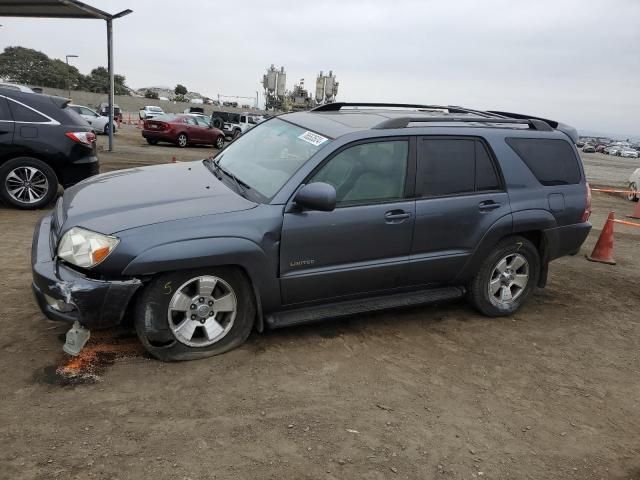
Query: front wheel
27	183
506	277
633	192
182	140
220	142
188	315
152	141
236	134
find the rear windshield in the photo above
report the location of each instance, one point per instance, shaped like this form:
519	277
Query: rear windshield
167	117
553	162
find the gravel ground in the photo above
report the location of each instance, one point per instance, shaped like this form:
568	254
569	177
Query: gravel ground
432	392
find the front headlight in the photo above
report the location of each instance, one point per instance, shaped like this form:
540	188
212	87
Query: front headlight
85	248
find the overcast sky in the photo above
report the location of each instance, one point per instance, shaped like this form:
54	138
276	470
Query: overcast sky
572	60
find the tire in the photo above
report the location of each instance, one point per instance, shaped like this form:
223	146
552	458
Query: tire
220	142
182	140
106	130
164	318
481	290
217	123
633	197
236	134
38	175
152	141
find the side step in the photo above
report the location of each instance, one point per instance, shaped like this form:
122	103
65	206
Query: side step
350	307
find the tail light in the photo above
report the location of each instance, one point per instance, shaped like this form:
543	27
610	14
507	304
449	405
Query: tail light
587	211
86	138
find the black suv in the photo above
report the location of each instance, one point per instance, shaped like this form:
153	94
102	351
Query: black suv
43	144
315	215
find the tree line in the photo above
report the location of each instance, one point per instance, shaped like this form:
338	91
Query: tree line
31	67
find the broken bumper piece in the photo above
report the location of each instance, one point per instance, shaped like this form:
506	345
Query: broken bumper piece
67	295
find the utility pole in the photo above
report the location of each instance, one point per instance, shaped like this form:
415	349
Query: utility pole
68	81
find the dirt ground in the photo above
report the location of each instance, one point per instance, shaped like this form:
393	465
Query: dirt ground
432	392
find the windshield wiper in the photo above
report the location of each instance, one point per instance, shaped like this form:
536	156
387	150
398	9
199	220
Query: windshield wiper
240	186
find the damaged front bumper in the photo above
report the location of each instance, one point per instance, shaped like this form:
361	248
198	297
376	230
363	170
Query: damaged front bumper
67	295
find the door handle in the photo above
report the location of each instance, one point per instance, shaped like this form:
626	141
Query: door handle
488	205
396	216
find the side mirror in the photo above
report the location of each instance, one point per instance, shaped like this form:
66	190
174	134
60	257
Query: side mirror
316	196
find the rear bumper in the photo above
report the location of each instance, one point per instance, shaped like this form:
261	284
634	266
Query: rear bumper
93	303
79	169
566	240
159	136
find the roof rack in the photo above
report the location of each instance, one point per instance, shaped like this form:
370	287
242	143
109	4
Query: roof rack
336	106
402	122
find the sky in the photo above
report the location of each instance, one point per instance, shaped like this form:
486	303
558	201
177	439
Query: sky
576	61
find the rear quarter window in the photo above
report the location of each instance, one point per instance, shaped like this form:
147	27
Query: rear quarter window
552	161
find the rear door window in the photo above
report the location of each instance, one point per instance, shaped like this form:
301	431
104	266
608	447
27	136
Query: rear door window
5	114
25	114
454	166
552	161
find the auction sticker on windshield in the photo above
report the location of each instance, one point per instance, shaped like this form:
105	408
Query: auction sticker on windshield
313	138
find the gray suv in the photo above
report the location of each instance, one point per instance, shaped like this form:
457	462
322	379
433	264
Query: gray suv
347	208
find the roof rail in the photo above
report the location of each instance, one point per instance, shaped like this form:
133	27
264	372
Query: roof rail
402	122
568	130
334	107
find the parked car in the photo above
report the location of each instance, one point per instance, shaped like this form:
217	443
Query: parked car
628	153
600	148
234	124
99	123
43	144
194	110
182	130
150	111
314	215
16	87
103	109
612	150
589	149
634	183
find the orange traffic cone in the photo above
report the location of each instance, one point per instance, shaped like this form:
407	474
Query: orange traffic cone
636	212
173	160
603	251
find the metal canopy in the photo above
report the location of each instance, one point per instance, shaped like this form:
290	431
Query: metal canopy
53	9
69	9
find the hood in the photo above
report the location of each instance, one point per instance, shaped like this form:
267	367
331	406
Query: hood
135	197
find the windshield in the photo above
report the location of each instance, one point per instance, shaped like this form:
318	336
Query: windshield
268	155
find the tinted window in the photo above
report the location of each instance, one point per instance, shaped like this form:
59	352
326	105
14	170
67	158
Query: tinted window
371	172
454	166
486	176
4	110
24	114
446	167
553	162
191	121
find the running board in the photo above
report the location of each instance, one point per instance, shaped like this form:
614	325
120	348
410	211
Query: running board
351	307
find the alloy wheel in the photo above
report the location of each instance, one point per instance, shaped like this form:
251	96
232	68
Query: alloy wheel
182	140
508	279
27	184
220	142
633	192
202	311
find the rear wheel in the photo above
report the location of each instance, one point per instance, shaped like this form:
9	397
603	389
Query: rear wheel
220	142
27	183
195	314
633	194
506	277
106	129
182	140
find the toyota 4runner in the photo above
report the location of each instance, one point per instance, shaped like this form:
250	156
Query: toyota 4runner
344	209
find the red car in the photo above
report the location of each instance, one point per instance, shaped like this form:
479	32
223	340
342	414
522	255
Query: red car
182	130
